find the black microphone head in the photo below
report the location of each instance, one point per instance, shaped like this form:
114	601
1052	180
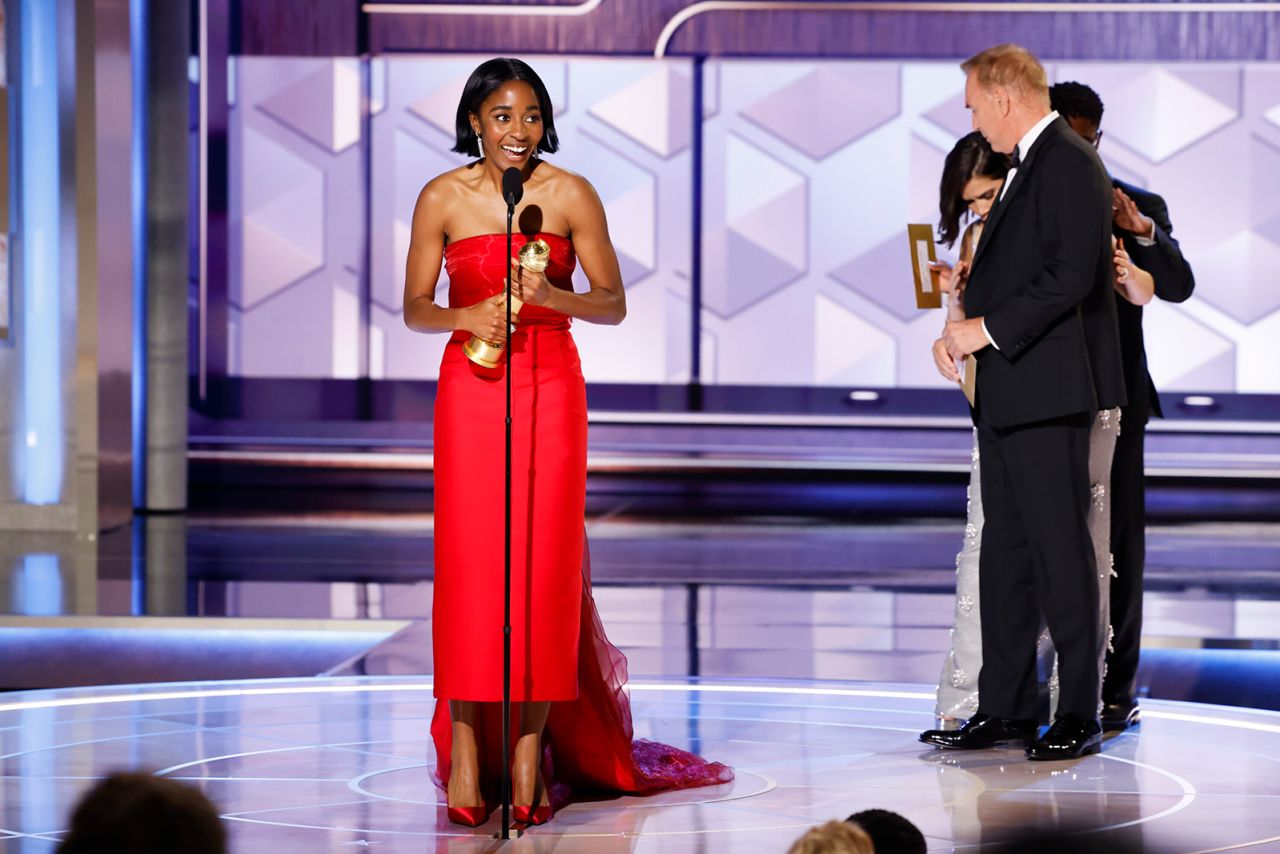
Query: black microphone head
512	186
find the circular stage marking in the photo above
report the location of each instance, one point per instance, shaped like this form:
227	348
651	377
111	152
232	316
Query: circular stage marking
1186	793
767	784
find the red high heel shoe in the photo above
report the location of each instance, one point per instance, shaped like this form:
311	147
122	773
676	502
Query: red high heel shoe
470	816
532	815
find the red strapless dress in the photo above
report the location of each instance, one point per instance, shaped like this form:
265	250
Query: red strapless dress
559	652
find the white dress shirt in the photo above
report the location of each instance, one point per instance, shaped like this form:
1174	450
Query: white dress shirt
1025	145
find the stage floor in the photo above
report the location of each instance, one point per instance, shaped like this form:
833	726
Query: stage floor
344	764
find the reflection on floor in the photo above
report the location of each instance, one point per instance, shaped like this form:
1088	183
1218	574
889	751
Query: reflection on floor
231	597
345	764
712	614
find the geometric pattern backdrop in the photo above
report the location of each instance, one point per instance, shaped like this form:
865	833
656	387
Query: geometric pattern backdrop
814	168
296	206
624	125
811	169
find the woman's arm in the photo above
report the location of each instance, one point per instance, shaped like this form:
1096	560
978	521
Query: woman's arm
956	278
1132	282
952	280
605	303
422	270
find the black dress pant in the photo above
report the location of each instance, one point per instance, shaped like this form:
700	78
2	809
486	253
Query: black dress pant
1129	547
1037	559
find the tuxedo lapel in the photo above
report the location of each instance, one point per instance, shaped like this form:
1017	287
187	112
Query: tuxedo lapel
1019	179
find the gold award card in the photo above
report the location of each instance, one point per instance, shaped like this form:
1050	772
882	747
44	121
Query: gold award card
928	294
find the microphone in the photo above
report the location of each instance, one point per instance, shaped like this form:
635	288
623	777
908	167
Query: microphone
512	186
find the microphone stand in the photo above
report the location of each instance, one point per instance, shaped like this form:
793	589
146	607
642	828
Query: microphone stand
506	568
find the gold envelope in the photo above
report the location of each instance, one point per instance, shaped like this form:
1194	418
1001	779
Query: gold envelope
969	378
920	238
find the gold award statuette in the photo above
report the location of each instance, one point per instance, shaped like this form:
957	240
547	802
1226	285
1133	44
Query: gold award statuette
534	257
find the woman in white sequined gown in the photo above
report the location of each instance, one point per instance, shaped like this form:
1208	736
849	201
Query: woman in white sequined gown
971	180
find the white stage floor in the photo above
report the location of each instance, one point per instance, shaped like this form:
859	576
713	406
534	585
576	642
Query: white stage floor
344	764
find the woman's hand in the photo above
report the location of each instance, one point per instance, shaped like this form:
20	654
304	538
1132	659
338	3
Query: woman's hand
486	319
1123	264
951	280
1131	282
528	286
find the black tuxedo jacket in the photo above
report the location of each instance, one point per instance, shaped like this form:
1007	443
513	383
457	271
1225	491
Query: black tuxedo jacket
1174	283
1042	282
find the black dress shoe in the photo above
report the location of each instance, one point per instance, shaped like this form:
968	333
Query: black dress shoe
1118	717
1069	738
982	731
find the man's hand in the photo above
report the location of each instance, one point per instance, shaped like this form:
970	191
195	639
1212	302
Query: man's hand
945	364
962	337
1128	217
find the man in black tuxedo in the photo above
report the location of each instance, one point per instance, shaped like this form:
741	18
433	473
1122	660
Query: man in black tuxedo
1143	227
1041	319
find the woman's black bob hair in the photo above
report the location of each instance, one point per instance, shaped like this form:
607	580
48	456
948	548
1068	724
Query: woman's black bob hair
971	156
488	77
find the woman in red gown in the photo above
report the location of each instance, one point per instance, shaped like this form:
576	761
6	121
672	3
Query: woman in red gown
572	718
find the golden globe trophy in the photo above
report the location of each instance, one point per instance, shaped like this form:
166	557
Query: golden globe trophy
534	257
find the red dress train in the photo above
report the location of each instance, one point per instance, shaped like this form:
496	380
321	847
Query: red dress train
559	651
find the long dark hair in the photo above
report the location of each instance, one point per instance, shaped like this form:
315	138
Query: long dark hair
971	157
488	77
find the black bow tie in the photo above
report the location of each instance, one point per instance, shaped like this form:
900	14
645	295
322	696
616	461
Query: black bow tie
1015	160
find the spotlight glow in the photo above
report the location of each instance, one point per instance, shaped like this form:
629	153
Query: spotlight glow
40	468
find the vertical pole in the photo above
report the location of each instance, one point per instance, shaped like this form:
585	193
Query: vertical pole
113	177
138	36
41	446
215	42
202	197
695	255
365	368
161	330
506	570
694	663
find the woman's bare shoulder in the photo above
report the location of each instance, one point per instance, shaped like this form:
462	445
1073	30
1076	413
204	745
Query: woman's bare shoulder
559	180
443	185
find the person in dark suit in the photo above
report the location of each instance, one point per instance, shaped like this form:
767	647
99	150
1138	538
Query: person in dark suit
1143	228
1041	319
